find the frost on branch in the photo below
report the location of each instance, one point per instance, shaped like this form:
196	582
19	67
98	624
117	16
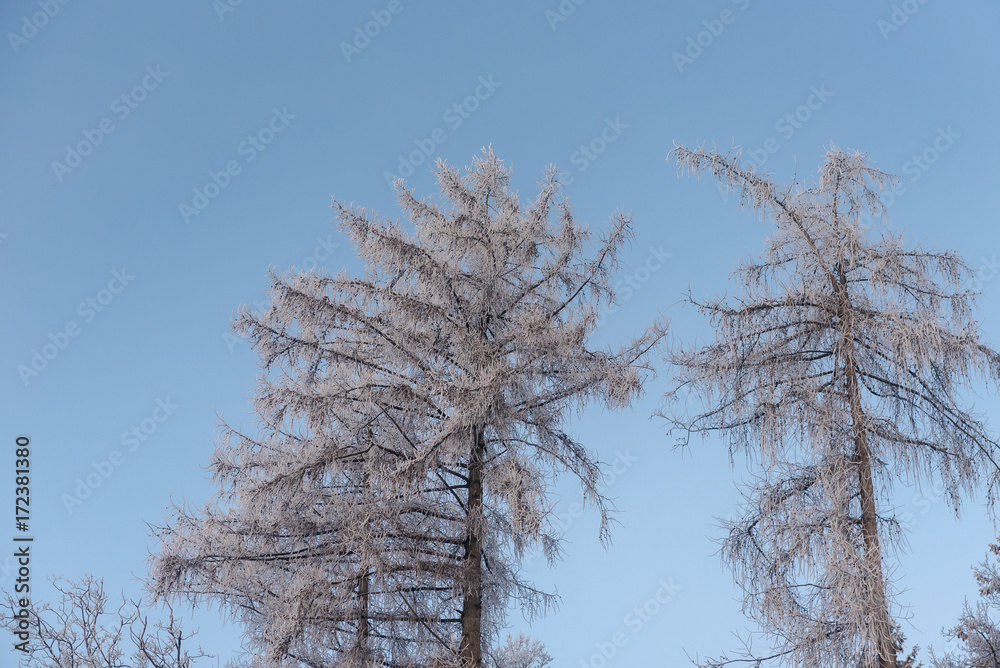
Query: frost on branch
841	366
977	631
410	432
522	652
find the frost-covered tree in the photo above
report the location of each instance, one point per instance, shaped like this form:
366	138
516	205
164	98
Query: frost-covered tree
411	430
523	652
84	631
840	367
306	545
978	631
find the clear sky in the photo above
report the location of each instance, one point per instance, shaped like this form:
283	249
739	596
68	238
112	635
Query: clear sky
159	157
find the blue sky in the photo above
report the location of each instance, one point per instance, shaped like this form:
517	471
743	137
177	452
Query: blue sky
159	157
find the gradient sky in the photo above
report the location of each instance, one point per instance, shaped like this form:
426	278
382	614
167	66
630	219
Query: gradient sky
331	115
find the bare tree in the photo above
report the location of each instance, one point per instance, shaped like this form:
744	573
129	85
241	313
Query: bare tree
412	432
840	367
84	632
977	630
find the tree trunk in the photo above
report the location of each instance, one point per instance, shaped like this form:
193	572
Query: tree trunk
869	527
471	648
869	520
